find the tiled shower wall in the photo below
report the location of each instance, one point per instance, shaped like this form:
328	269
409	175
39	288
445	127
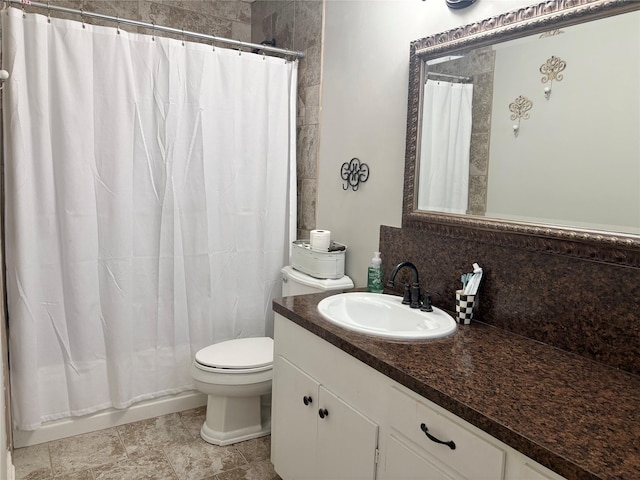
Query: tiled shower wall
222	18
297	25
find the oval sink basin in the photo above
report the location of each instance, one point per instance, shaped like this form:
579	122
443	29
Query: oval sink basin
385	316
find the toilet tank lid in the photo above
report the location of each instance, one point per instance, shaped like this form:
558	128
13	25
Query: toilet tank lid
322	284
241	353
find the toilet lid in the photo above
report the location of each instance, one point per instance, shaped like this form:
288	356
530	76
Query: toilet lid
241	353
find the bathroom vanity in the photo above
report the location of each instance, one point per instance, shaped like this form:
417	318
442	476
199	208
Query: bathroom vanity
479	404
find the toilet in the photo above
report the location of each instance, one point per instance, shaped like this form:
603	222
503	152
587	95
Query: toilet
236	374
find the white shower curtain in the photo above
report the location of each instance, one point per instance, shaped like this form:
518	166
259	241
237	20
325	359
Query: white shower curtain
445	147
148	208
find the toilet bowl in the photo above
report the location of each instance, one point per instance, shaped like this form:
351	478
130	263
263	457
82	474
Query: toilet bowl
235	374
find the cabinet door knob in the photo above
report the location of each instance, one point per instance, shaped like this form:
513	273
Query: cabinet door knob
450	443
323	413
307	400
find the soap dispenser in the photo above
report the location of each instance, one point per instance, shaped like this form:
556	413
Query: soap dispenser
374	274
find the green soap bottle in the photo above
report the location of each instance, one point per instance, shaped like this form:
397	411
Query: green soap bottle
374	274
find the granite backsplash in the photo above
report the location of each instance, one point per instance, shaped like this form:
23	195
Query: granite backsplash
584	307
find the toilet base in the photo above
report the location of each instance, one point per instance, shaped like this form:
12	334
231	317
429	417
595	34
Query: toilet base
234	419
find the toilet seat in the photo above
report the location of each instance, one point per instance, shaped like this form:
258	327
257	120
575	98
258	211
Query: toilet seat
239	356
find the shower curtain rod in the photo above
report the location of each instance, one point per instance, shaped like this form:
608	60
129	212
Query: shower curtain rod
154	27
453	77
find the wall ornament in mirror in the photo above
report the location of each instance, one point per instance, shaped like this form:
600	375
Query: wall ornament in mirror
552	70
519	109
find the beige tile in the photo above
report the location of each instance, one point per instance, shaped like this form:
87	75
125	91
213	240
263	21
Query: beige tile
306	204
262	470
82	475
193	420
307	150
32	463
152	434
90	450
197	459
151	466
256	449
308	24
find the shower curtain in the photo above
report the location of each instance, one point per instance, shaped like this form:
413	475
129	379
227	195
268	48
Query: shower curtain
445	147
150	196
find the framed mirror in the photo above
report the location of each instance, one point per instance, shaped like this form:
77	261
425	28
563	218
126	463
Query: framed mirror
523	129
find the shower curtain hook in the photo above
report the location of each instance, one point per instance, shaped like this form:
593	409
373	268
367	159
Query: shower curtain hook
183	36
48	13
118	24
24	13
153	31
82	17
213	46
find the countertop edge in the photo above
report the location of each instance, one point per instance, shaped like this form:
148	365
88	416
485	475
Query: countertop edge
523	444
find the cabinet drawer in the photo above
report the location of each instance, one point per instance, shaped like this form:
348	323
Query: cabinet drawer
473	457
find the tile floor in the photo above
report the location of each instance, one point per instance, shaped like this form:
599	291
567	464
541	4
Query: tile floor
167	447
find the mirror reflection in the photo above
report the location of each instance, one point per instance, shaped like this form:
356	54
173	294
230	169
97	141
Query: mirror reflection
541	129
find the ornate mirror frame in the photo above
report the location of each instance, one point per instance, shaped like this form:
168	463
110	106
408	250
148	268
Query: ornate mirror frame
602	246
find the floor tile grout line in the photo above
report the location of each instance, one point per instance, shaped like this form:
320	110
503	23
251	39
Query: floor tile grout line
173	469
50	459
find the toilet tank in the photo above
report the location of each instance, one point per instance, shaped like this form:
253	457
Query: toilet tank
298	283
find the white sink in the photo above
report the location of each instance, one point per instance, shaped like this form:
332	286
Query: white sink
385	316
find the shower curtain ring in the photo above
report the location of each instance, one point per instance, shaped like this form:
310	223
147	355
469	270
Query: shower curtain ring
183	36
48	13
153	31
118	24
82	17
24	13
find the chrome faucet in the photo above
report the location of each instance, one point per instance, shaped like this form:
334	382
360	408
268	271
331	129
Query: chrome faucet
411	294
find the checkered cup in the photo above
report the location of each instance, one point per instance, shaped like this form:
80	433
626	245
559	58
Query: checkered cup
464	307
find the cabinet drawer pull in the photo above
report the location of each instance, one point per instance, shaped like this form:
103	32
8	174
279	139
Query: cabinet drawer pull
307	400
323	413
450	443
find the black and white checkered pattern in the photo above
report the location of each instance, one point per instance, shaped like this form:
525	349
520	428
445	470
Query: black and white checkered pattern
464	307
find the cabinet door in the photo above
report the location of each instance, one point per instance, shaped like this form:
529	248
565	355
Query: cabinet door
294	422
402	463
347	441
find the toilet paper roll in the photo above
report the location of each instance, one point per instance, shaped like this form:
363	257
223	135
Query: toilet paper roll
320	240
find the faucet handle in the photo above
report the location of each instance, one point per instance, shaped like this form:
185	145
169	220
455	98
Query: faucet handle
426	303
406	298
415	296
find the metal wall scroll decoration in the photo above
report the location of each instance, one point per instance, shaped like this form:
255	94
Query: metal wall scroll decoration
552	70
519	109
354	173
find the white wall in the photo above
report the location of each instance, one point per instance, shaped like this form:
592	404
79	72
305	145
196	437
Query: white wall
559	170
364	110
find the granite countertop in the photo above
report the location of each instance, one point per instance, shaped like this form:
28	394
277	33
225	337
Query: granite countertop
575	416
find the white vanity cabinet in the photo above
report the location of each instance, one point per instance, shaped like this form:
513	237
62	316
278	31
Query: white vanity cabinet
438	443
373	426
321	436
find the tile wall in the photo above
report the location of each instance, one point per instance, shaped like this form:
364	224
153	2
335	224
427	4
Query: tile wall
297	25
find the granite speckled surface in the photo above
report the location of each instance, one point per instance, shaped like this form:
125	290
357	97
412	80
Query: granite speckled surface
576	416
588	308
